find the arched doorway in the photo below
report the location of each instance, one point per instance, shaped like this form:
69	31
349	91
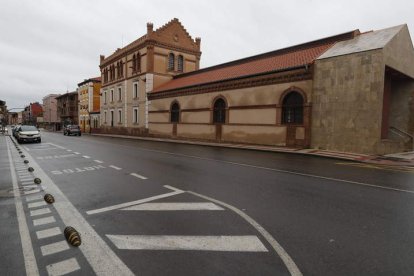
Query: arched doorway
219	115
293	118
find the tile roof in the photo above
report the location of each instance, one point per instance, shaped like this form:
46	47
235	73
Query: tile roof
284	59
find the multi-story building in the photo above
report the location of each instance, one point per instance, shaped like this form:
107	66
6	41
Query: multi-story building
32	112
135	70
50	116
67	108
89	103
3	113
13	118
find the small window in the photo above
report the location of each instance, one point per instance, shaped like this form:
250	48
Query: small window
112	95
119	116
219	111
171	59
105	117
180	63
135	92
134	63
105	99
112	118
175	113
135	115
138	63
119	94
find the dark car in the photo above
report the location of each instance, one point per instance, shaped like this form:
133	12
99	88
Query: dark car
72	130
26	133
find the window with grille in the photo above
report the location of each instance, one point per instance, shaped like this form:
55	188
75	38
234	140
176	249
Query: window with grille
175	113
171	59
219	111
292	109
180	63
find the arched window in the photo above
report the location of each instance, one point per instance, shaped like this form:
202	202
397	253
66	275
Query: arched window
121	68
171	59
292	109
180	63
138	63
134	63
219	111
175	113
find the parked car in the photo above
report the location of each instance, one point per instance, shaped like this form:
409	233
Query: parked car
14	130
27	133
72	130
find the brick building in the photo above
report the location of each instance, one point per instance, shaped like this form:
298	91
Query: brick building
89	103
67	109
50	116
350	92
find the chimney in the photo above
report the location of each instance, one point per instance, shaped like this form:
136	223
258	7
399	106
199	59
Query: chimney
102	57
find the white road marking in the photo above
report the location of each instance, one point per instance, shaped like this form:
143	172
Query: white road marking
282	171
85	156
26	148
26	179
76	152
69	150
287	260
98	161
27	182
32	192
203	243
33	198
138	175
37	204
63	267
97	253
131	203
26	242
60	147
115	167
43	221
175	206
42	234
53	248
39	212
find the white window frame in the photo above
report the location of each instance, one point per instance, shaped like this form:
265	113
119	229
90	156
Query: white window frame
135	114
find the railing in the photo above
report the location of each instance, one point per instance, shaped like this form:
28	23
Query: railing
401	133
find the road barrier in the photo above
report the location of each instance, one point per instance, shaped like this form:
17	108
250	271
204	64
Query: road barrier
72	236
49	198
26	161
30	169
37	180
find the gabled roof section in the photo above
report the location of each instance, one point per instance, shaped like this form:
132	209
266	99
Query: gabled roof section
279	60
365	42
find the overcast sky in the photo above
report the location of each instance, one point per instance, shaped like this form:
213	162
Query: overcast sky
48	46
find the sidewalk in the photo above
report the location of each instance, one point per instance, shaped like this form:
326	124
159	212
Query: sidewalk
399	159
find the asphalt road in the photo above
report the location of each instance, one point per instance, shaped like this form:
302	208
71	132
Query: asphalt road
152	208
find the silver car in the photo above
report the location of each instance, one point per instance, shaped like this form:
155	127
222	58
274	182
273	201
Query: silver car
28	134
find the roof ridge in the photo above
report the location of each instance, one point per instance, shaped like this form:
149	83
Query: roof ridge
289	49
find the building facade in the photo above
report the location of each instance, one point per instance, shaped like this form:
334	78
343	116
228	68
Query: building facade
33	114
67	109
50	115
350	92
89	103
132	72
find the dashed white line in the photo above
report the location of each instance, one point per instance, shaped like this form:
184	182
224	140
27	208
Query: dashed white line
53	248
36	204
76	152
115	167
43	221
138	175
32	192
98	161
42	234
39	212
85	156
69	150
63	267
33	198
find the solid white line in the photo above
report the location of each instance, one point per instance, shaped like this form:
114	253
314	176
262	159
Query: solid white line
42	234
85	156
36	204
131	203
138	175
98	254
39	212
202	243
76	152
53	248
27	247
98	161
43	221
63	267
287	260
175	206
115	167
